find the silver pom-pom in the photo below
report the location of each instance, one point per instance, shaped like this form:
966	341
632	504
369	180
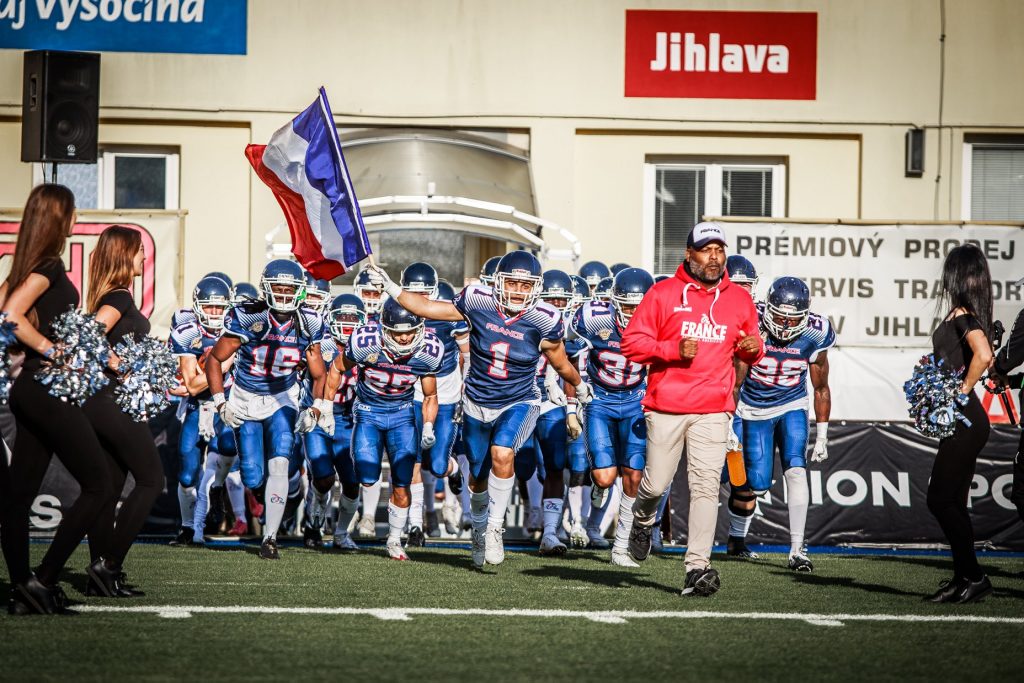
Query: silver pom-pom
7	339
75	371
148	370
932	392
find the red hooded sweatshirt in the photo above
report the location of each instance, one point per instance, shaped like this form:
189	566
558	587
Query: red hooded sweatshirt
681	307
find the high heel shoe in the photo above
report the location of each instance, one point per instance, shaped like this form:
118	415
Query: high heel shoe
948	590
975	591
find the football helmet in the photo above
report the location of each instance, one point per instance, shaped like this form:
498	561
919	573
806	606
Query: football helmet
318	293
661	278
367	293
346	314
741	271
420	278
628	289
287	274
223	276
786	309
616	268
395	320
488	269
580	291
593	272
517	266
244	292
557	285
211	291
445	291
603	291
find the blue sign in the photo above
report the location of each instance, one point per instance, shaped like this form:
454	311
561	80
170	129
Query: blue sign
189	26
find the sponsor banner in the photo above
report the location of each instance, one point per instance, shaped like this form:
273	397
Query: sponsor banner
182	26
721	54
157	291
872	490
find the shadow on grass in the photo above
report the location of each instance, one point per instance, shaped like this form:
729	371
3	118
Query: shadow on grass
841	582
457	560
945	564
601	577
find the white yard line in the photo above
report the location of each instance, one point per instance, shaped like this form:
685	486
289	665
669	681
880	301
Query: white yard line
602	617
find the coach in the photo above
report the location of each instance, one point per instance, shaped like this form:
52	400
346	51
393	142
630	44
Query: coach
1008	358
687	330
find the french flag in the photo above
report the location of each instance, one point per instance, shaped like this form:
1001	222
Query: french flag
304	167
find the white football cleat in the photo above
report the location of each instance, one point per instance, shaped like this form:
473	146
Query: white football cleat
621	558
479	548
367	527
494	546
343	542
597	541
578	536
550	546
395	549
451	516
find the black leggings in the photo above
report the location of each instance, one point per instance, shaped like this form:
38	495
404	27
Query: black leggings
128	447
951	479
46	426
1017	492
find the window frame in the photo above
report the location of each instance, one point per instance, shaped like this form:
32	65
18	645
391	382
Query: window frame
713	199
105	176
967	166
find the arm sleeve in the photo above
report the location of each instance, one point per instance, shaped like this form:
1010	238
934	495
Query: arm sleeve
640	341
1012	353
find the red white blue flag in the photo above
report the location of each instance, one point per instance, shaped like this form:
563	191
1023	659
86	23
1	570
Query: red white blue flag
304	167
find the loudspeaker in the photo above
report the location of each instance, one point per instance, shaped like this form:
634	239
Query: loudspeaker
60	107
913	154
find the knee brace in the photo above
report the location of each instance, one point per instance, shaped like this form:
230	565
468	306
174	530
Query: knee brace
745	497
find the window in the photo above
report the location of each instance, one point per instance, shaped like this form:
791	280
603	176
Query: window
122	178
993	188
678	194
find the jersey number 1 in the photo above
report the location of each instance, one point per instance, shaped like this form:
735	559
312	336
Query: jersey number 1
499	360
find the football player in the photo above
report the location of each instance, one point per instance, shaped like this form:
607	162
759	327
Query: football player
271	337
372	301
487	271
318	294
244	292
617	267
603	291
509	330
391	356
742	272
330	455
438	437
371	298
615	427
593	272
773	406
191	341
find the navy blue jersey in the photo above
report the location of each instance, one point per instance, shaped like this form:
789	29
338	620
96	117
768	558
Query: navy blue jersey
268	360
446	331
504	351
384	381
780	378
347	389
595	324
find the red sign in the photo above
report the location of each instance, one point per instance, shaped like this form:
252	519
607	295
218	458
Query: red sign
83	239
728	55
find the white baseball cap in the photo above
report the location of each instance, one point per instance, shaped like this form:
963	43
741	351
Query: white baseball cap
705	233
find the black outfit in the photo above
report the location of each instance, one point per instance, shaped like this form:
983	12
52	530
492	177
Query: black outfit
1010	356
128	447
46	426
957	457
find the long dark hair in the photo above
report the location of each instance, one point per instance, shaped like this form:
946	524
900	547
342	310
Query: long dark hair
43	232
111	265
967	284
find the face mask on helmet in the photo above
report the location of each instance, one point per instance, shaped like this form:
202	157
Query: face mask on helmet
210	302
368	294
625	304
412	337
516	291
344	321
784	323
316	297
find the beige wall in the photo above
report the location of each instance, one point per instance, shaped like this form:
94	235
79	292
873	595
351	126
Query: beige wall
556	69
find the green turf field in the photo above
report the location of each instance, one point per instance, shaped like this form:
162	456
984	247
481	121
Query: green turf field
593	636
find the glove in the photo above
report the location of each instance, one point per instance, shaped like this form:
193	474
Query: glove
226	412
206	413
326	420
732	442
573	426
584	394
428	439
382	281
820	452
553	388
307	420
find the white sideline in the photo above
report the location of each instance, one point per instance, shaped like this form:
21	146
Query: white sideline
602	617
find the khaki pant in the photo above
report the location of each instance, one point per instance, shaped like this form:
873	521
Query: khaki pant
704	438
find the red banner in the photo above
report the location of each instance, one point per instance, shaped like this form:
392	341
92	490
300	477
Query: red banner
728	55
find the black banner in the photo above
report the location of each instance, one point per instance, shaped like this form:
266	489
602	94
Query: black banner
872	490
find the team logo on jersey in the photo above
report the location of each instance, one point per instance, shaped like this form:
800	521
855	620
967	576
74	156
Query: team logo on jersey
604	334
705	330
372	358
197	343
256	327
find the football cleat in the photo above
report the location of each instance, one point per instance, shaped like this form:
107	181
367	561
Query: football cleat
550	546
343	543
578	536
598	496
268	550
702	582
596	540
620	558
450	516
657	545
455	481
240	528
395	550
737	547
639	542
416	538
467	522
479	548
494	546
367	527
800	563
312	539
185	538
